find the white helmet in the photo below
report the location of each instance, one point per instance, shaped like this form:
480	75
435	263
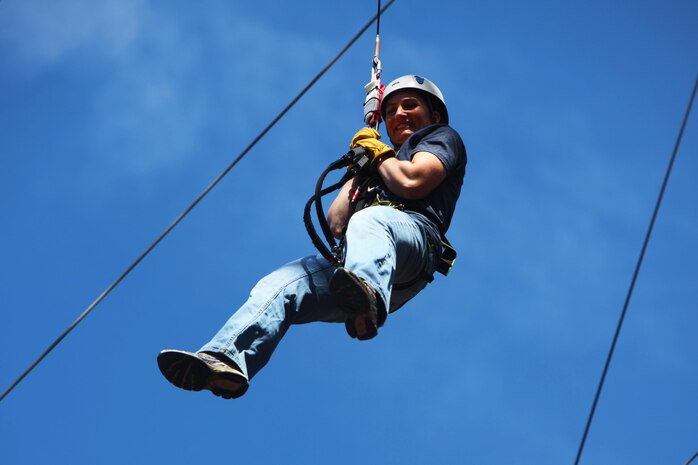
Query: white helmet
412	81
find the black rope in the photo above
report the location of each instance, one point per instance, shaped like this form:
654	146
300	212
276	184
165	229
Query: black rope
692	459
635	274
316	199
193	204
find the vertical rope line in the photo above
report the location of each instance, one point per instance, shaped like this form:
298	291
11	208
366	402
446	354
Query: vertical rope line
635	274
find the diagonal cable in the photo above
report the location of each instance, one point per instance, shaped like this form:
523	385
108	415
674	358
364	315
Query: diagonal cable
635	274
193	204
692	459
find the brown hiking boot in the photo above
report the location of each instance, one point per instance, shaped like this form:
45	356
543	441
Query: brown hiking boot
357	298
198	371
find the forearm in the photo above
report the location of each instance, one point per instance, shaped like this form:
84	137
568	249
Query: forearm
340	210
412	179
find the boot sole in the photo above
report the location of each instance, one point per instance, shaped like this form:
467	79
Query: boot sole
348	291
187	371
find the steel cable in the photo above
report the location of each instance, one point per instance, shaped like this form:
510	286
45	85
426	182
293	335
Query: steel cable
635	274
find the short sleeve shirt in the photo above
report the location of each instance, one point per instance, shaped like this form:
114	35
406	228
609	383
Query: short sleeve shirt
445	143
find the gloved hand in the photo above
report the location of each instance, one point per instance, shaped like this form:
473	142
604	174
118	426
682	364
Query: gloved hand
368	139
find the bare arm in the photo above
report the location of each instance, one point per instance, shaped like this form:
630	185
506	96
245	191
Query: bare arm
340	210
412	179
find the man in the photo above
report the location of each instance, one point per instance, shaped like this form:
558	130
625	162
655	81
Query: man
393	224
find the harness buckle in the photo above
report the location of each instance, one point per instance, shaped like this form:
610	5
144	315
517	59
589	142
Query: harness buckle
447	257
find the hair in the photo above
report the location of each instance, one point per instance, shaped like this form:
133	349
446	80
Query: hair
435	106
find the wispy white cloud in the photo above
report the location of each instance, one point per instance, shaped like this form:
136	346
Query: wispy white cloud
43	33
164	82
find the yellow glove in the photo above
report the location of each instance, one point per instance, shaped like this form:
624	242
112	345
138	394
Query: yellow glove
368	139
364	133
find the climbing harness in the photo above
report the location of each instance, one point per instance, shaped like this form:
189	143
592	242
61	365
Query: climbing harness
367	194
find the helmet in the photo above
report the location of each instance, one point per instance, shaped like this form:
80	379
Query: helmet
422	84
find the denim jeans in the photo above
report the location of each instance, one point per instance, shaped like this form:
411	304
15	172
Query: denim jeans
383	246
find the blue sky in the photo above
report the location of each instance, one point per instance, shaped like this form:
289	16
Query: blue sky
115	115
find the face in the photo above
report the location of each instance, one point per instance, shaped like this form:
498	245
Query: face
406	112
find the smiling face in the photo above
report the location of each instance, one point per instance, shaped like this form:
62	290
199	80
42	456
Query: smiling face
406	112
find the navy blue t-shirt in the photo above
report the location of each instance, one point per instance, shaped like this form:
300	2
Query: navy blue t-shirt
444	142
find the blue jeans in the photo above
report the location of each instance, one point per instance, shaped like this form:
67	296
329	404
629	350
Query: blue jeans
383	246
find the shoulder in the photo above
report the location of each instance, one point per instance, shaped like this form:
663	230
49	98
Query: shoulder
441	140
